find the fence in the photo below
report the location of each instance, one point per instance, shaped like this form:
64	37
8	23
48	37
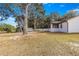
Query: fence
46	29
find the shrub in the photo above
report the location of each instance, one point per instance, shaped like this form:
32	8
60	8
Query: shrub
7	28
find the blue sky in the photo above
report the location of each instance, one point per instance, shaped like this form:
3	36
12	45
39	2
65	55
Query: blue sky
10	20
61	8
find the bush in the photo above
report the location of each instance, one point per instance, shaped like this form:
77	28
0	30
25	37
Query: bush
7	28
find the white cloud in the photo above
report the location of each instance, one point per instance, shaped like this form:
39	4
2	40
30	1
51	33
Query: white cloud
0	17
76	10
45	3
62	5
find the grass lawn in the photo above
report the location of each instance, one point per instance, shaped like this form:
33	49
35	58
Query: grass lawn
38	43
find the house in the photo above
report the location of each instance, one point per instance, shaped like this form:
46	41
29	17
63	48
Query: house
68	26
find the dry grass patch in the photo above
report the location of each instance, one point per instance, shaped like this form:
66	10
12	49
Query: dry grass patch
36	43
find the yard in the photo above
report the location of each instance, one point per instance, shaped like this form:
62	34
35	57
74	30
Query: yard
39	44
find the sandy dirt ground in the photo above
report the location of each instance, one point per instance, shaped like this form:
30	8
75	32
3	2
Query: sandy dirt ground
39	44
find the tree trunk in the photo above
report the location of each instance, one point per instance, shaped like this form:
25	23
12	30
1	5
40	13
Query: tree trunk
19	24
34	24
25	27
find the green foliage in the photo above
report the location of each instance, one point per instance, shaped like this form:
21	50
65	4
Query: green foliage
7	28
55	16
69	15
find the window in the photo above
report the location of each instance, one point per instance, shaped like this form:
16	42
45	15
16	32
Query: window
60	25
55	25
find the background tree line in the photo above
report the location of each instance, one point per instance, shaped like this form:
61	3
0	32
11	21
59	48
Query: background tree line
31	15
7	28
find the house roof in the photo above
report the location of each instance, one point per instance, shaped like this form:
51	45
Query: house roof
58	22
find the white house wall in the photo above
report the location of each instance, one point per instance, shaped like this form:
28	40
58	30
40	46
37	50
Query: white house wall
64	27
73	25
